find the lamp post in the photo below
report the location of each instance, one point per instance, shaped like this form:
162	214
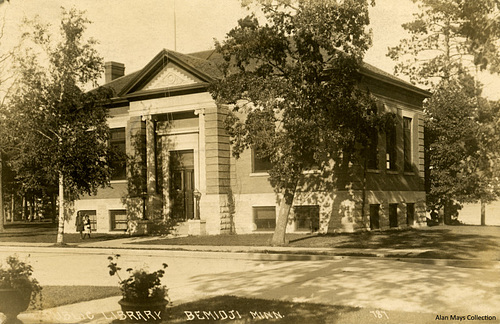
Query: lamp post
197	197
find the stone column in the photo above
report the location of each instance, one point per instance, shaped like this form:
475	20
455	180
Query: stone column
135	133
202	181
154	208
166	176
150	156
197	226
217	201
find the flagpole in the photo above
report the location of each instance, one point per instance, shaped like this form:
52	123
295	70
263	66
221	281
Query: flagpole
175	30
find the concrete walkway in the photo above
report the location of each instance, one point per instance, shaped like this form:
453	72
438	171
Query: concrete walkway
268	253
106	310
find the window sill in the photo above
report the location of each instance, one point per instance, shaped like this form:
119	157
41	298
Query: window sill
409	173
372	170
392	172
311	172
304	231
118	181
259	174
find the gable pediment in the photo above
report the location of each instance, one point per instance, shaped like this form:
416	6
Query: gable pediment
168	70
171	76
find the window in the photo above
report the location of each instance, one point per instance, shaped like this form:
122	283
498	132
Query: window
372	159
393	215
92	217
260	164
306	218
372	148
390	145
410	214
118	219
374	216
407	144
265	218
118	161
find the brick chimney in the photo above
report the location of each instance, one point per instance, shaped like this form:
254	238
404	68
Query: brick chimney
113	70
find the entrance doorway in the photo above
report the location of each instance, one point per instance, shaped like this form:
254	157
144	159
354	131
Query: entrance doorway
182	184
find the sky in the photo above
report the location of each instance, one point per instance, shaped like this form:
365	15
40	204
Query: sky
134	31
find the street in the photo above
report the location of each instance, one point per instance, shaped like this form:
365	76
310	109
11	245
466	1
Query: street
373	283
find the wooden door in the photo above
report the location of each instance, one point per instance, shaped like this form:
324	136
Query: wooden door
182	184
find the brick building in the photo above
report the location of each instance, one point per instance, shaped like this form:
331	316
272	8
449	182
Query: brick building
165	118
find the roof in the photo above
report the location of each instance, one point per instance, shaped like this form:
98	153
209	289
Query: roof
207	64
119	83
372	71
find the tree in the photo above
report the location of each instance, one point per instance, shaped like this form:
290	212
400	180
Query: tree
4	56
462	133
291	84
450	40
57	132
487	167
448	37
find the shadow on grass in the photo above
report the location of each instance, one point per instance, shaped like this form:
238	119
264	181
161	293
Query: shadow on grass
456	242
53	296
446	242
302	238
369	283
46	232
246	310
30	225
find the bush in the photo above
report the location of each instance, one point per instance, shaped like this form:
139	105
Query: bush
163	227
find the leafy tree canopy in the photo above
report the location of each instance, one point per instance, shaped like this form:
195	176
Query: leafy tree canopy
462	130
448	37
291	81
51	128
52	125
449	40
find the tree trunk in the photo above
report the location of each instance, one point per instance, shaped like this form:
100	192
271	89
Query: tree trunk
280	230
483	213
53	207
445	210
12	207
23	208
60	228
363	194
31	210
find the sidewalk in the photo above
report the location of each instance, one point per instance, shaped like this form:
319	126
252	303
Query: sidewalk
267	253
106	310
295	253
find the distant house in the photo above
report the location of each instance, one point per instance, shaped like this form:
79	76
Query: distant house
164	117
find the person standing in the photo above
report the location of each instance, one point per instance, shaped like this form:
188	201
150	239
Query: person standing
79	225
86	226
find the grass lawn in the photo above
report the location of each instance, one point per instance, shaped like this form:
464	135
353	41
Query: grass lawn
457	242
249	310
53	296
46	232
